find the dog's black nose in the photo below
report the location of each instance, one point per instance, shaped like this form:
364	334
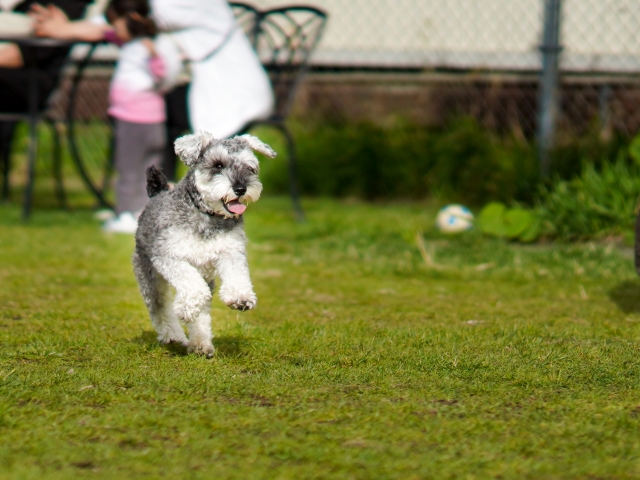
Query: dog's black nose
239	190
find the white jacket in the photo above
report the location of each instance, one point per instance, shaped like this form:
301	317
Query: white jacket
229	87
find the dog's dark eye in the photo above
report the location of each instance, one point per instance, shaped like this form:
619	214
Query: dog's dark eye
252	170
218	165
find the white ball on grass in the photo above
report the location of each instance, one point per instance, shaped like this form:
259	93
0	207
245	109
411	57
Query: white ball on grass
454	219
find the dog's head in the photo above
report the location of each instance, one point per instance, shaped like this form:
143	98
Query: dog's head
225	171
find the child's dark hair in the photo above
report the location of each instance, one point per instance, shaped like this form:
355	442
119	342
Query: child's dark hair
136	12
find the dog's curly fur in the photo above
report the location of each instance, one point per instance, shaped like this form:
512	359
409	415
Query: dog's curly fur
189	234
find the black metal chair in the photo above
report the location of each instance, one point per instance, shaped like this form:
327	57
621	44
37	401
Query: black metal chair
284	39
89	130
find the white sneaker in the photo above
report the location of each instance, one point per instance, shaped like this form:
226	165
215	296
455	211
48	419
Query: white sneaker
104	214
124	223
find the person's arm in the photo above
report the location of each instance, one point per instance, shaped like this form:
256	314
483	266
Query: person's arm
52	22
10	56
156	63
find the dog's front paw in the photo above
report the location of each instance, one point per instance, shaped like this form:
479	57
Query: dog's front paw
238	300
201	348
243	304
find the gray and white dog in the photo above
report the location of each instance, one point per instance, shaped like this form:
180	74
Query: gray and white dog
189	234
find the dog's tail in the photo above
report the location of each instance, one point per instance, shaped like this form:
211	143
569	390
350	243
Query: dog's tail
156	181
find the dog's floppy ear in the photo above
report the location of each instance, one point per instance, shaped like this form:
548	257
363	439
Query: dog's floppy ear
258	145
190	147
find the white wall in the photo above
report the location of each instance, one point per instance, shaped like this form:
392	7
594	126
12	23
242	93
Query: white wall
500	34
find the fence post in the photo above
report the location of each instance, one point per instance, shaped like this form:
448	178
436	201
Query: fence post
548	95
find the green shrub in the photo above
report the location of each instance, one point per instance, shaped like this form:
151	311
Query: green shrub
472	165
461	163
570	154
588	198
365	161
599	202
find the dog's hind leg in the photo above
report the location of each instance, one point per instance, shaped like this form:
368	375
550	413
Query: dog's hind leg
192	303
157	295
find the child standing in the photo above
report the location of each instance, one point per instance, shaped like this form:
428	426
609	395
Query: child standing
137	106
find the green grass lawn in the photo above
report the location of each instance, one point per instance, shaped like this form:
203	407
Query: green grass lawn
364	358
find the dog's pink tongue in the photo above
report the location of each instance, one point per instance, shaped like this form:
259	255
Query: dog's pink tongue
236	207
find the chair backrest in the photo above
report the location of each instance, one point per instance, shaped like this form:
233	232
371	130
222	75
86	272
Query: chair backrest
284	38
247	18
89	133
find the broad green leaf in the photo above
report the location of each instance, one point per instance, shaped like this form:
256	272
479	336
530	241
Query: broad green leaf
491	219
516	221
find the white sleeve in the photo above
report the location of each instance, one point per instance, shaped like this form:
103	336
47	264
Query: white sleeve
94	12
97	19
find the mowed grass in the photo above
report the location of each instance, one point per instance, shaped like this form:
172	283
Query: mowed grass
364	358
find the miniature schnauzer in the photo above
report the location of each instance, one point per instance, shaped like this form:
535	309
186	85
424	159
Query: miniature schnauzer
189	234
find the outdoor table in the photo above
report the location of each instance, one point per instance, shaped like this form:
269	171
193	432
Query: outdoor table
32	115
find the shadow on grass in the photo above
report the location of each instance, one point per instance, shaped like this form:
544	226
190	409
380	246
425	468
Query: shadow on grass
229	345
626	296
226	346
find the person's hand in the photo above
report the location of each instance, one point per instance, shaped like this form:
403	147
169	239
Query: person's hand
48	21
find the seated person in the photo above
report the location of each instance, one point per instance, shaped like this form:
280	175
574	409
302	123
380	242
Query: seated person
14	77
13	59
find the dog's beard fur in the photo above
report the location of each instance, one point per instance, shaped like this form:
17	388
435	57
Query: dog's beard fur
216	190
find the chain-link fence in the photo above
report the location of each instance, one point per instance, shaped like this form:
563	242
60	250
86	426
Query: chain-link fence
429	60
